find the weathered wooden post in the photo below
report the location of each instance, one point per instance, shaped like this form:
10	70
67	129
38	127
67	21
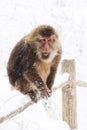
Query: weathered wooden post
69	95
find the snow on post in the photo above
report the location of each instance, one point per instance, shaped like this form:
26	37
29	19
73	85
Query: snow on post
69	94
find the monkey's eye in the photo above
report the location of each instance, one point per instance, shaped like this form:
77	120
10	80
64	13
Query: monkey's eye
41	40
54	39
49	40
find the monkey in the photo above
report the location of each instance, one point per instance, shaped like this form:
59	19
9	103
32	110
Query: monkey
33	62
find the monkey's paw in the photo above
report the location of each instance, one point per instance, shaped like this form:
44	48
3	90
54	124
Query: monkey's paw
45	92
33	95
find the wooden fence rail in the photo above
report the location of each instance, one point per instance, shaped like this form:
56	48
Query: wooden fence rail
69	102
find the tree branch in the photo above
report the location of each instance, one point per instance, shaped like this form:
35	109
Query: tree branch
5	114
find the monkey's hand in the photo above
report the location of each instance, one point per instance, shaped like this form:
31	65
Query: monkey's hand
45	92
33	95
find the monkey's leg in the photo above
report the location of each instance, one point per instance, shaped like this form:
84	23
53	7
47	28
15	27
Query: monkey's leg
26	87
32	75
51	77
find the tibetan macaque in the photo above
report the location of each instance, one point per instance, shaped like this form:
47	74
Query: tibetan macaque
33	62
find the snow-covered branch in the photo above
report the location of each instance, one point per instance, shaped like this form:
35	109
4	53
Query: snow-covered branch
19	103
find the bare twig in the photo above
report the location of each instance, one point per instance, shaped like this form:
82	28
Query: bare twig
22	107
81	83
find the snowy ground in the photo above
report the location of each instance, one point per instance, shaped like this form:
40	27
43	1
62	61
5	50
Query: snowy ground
69	17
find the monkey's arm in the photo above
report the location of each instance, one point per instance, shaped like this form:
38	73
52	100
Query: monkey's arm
51	77
33	76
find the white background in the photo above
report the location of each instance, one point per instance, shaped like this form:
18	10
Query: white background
69	17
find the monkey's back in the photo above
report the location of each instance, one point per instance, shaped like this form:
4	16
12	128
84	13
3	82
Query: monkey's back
16	62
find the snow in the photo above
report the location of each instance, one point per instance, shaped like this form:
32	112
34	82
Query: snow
18	18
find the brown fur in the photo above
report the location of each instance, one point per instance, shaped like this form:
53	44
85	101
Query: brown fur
27	71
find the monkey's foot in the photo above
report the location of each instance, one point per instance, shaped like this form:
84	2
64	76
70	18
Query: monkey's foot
45	92
33	95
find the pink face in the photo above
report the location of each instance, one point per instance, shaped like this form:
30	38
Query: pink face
46	44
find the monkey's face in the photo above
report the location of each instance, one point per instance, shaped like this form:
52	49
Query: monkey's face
45	42
46	48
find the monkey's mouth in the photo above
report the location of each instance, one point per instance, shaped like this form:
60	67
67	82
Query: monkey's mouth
45	55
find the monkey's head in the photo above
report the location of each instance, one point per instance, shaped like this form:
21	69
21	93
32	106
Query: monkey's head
45	42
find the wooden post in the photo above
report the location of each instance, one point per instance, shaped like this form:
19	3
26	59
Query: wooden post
69	95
